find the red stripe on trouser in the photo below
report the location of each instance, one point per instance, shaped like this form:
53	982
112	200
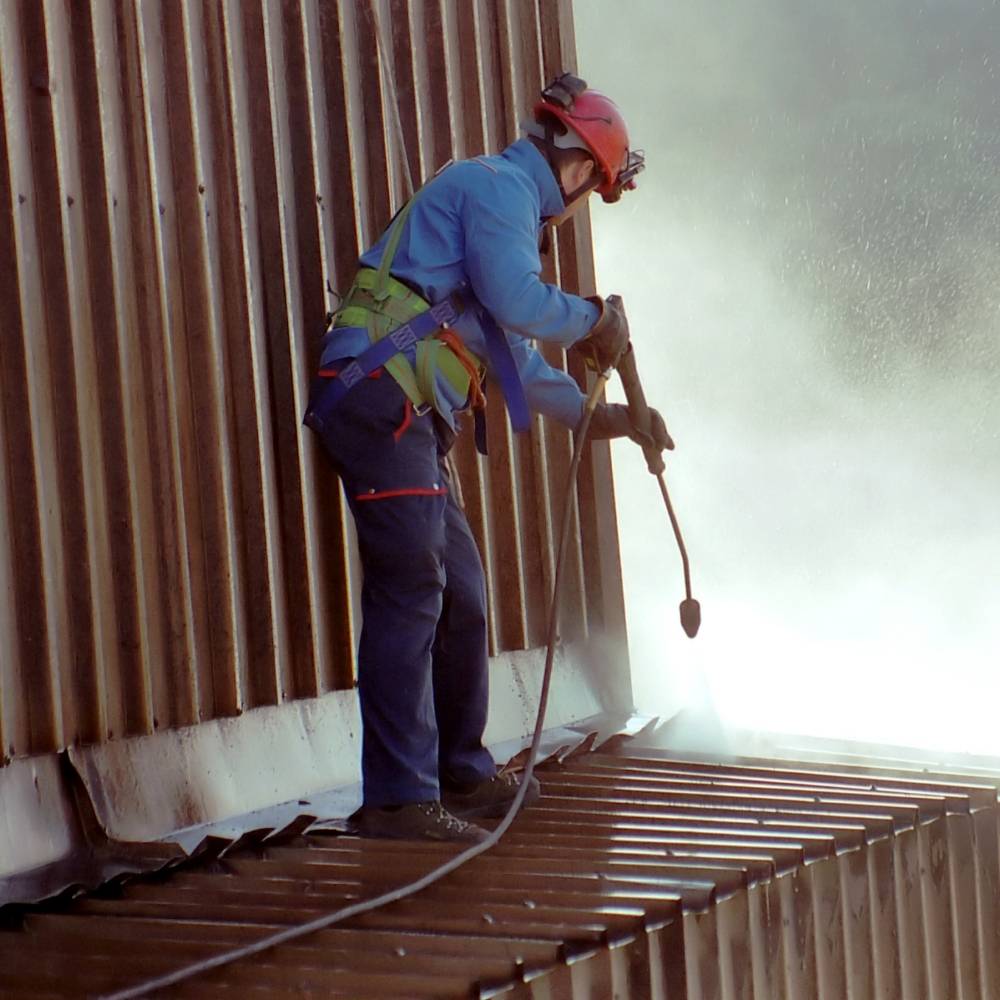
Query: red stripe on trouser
416	491
332	373
407	420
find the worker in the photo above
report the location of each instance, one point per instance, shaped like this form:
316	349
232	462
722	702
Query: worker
393	373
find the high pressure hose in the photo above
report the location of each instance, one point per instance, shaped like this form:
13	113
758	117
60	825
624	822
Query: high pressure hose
410	889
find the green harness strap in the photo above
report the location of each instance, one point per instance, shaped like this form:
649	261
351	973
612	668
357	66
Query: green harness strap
379	323
380	303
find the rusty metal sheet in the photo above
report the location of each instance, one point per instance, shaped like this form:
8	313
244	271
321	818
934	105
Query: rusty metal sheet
180	184
695	899
987	880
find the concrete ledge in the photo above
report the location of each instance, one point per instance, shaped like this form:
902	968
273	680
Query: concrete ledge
148	788
38	823
78	818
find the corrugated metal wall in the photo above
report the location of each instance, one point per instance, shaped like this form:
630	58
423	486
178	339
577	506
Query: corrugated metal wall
178	183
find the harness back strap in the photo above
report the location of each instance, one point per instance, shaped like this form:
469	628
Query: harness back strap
504	368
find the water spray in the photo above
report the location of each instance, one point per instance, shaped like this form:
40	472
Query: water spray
638	410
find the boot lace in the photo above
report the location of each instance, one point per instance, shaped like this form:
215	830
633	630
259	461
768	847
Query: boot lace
443	818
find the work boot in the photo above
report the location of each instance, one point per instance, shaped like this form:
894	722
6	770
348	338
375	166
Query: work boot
415	821
490	797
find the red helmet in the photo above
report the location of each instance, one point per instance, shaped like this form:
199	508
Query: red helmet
594	122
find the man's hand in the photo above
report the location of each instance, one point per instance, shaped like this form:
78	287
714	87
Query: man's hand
608	337
611	420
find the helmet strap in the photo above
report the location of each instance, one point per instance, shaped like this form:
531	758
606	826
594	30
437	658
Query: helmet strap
545	240
581	190
547	148
549	151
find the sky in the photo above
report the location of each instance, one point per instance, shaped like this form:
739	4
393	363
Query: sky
811	269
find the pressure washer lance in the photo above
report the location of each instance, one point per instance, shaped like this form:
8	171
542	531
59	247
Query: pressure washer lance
638	411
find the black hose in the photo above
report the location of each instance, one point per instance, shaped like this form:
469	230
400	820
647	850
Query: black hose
411	888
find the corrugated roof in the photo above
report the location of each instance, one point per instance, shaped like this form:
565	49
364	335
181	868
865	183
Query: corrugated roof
638	874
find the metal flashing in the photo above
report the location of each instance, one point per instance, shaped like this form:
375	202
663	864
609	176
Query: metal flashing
148	787
76	821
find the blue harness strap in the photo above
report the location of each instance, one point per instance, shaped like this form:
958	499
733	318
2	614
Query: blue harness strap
504	369
393	343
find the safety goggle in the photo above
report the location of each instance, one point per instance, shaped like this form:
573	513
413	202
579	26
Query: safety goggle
635	163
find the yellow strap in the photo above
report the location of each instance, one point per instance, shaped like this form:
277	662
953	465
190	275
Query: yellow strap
435	356
351	316
402	304
367	278
402	371
427	352
397	366
382	288
454	371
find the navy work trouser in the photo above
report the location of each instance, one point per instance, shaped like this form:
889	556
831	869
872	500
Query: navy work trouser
422	659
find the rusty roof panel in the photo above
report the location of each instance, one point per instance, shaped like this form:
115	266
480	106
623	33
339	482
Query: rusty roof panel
178	185
630	877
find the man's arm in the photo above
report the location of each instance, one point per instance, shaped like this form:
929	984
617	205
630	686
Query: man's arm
504	268
548	390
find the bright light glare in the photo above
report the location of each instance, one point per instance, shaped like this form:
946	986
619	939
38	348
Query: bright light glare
810	270
843	541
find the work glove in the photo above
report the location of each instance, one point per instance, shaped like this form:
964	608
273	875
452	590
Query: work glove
611	420
608	337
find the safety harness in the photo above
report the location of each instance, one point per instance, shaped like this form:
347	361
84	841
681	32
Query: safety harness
398	319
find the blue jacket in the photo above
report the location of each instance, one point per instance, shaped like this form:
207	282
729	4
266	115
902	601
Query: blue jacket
479	222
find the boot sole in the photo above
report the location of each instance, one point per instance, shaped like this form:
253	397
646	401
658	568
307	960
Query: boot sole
382	834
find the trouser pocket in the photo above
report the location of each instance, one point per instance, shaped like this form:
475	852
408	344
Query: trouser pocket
381	446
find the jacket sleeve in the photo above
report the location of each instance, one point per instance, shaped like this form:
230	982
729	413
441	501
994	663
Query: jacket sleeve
548	390
500	222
